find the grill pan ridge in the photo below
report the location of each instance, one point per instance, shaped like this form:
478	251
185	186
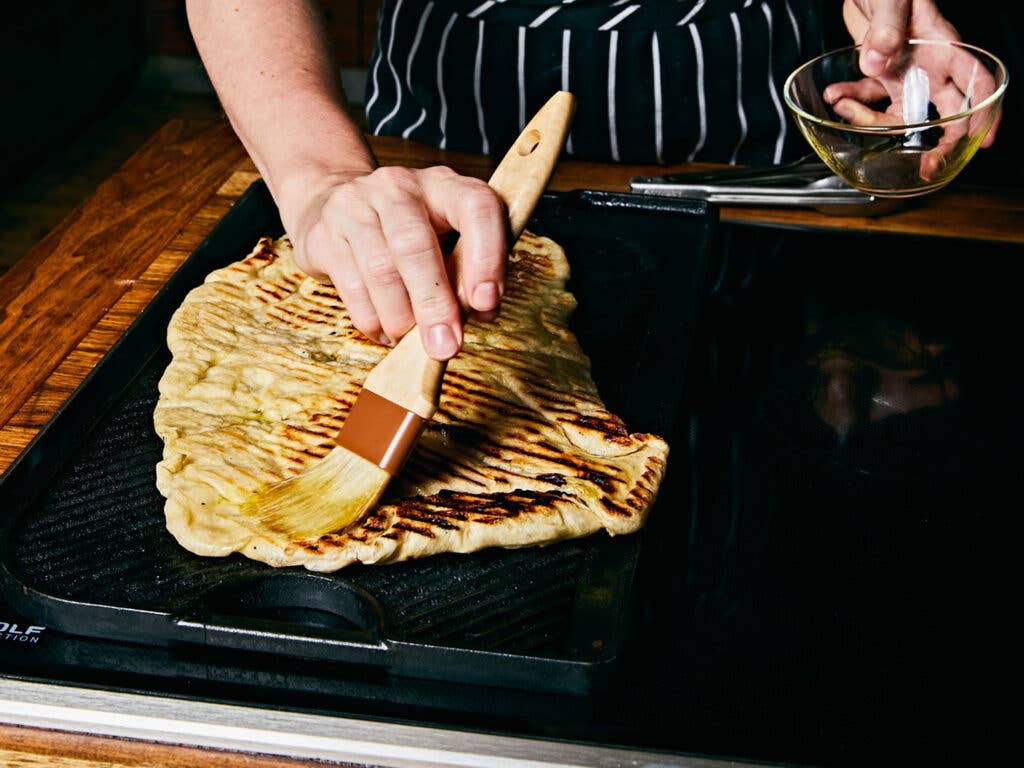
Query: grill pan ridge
84	547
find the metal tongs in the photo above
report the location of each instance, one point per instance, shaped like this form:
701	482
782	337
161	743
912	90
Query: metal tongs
807	182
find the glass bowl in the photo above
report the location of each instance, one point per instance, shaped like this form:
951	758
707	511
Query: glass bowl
910	130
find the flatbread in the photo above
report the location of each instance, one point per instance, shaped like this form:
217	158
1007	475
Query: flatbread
266	364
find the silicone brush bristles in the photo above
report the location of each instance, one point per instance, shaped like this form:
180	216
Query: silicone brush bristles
329	496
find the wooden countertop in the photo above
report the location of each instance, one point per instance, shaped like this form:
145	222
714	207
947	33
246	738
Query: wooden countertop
36	748
71	297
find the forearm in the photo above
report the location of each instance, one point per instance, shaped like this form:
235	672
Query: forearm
270	62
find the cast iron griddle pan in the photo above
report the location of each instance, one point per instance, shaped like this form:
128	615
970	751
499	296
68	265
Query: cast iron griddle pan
84	549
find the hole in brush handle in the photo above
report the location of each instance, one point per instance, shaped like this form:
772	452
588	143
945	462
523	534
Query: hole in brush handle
528	142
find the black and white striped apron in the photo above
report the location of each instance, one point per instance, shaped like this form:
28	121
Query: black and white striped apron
655	81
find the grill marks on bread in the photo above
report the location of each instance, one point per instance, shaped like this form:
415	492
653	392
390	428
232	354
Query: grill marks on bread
521	451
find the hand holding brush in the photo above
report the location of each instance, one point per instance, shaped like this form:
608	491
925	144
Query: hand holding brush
401	393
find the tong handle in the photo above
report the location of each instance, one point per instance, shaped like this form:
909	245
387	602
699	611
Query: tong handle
807	168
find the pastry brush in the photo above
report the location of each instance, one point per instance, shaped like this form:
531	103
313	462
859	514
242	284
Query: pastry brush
401	393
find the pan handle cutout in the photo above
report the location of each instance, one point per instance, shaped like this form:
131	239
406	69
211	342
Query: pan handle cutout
295	613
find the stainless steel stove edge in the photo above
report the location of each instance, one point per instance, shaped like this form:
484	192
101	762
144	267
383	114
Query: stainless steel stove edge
299	735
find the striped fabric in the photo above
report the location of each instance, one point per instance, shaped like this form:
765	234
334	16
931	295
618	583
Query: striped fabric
655	80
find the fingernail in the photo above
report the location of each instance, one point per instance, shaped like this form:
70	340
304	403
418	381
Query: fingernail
384	339
441	342
485	296
873	62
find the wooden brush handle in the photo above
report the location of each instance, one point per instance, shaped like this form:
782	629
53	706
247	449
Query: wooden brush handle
408	376
522	175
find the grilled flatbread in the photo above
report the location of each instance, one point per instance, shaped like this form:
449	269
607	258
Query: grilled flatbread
266	364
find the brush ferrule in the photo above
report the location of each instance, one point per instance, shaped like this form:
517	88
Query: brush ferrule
380	431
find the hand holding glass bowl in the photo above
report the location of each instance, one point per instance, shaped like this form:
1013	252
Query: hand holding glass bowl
910	130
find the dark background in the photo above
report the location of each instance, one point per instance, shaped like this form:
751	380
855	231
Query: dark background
66	63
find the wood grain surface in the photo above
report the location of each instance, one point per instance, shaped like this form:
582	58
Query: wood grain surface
69	283
35	748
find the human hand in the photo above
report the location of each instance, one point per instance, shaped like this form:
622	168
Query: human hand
949	78
881	26
853	391
873	370
375	236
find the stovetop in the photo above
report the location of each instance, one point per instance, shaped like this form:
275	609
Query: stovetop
841	590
